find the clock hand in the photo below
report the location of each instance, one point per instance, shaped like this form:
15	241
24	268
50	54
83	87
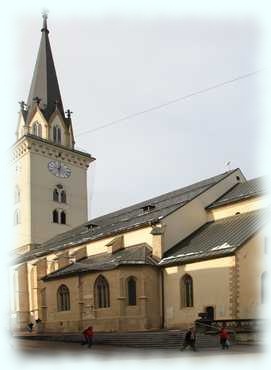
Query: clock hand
59	167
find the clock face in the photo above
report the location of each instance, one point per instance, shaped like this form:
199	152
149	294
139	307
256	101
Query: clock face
59	169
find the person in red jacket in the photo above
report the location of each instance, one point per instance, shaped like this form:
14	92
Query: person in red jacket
88	336
224	337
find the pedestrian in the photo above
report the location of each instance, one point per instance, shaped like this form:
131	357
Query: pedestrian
38	325
88	336
224	337
189	339
30	327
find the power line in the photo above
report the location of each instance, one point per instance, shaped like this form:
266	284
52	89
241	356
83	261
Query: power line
173	101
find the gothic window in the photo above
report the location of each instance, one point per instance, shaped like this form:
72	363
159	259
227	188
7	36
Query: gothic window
17	194
59	194
55	216
57	135
63	196
131	287
59	216
63	298
62	217
186	291
37	129
263	287
101	292
55	195
17	217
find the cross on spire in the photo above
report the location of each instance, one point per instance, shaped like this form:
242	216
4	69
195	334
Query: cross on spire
37	99
45	17
22	105
69	113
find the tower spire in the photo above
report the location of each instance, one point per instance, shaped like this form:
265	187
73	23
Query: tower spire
44	85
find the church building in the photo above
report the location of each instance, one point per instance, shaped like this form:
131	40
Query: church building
156	264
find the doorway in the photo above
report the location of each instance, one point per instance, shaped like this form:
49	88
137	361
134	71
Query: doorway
210	313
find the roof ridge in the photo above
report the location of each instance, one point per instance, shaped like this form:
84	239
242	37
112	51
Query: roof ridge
164	194
240	191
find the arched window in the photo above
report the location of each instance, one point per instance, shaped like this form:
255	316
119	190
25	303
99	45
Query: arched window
131	288
34	129
57	135
101	292
55	195
63	196
37	129
63	218
17	217
17	194
186	291
263	287
59	194
63	298
55	216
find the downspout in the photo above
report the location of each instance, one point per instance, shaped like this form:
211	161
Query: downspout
162	300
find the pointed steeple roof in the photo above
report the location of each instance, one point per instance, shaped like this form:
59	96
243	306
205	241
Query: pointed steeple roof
44	89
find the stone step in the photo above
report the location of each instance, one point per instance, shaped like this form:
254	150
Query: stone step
162	339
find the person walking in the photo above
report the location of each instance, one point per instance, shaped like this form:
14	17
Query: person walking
224	338
38	325
30	327
189	339
88	336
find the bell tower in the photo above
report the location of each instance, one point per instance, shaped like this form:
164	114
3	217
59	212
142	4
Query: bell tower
50	174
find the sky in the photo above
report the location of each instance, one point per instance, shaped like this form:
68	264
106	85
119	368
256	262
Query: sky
112	66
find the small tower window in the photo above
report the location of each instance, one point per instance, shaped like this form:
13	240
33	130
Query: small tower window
57	135
55	216
63	218
59	194
17	194
37	129
17	217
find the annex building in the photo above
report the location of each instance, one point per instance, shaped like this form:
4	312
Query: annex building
156	264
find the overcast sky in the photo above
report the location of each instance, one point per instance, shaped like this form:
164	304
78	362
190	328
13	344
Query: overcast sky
112	67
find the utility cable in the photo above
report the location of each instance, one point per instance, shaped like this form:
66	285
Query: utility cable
173	101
